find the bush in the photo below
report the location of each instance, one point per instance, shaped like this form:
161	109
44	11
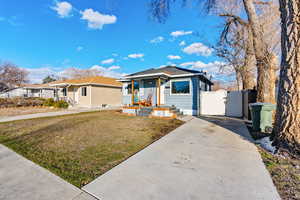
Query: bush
61	104
20	102
49	102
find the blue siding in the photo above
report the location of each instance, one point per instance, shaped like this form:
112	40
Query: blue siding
184	102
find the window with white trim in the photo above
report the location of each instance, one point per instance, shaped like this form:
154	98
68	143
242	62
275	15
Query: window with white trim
180	87
64	91
84	91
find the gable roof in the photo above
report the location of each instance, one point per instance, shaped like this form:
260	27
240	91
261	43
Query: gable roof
95	80
170	71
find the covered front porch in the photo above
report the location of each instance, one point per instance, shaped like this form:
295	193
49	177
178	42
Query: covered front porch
146	92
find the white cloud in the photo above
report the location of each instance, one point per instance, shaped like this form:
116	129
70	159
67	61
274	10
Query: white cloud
108	72
180	33
97	20
215	68
136	55
157	39
114	67
198	49
182	43
115	55
79	48
174	57
108	61
63	9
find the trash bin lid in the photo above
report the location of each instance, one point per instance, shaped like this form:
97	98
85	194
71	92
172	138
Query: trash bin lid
265	105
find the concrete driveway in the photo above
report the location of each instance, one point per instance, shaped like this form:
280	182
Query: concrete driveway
200	160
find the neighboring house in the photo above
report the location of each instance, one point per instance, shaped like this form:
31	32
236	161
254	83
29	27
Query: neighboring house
90	92
166	87
30	90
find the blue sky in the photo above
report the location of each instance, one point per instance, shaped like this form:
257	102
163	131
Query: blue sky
115	36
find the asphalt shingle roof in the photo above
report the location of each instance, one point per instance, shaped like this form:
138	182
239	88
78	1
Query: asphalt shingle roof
170	70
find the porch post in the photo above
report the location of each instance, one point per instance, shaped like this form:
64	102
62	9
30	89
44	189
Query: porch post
158	85
132	92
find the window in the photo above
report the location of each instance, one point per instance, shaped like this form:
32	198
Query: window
180	87
64	91
84	91
136	87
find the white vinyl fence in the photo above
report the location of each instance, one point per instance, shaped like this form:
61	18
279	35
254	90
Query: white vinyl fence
222	103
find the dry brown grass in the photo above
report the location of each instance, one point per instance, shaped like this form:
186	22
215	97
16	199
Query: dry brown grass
285	172
81	147
8	112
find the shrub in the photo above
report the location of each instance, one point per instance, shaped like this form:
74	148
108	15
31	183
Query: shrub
20	102
49	102
61	104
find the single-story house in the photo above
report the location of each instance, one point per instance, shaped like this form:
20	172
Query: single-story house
91	92
30	90
166	87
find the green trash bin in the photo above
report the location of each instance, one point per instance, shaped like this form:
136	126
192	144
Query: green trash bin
261	114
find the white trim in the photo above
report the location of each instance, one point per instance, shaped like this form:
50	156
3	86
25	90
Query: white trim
180	94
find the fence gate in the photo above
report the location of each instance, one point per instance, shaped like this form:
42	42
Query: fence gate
213	103
234	104
222	103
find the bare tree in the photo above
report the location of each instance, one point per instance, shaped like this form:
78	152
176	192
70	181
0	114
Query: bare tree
160	10
235	47
12	76
75	73
287	123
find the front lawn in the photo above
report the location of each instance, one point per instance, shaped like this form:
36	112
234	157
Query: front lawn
81	147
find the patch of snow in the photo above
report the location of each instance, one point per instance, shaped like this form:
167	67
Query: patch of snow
266	143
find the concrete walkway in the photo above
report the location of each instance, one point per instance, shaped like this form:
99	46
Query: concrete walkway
200	160
21	179
52	114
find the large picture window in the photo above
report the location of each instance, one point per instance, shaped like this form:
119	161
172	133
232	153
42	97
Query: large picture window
84	91
180	87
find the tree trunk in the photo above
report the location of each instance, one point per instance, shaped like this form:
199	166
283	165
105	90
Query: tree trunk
260	52
273	70
248	76
248	83
238	79
287	124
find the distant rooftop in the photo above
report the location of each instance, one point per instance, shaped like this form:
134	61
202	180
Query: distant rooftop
97	80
